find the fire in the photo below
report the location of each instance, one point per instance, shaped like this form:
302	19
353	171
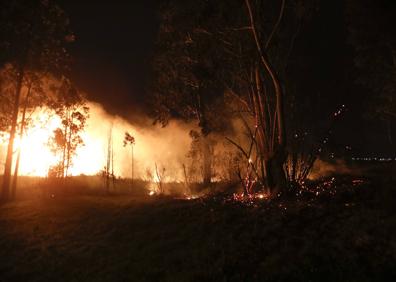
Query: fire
166	147
36	154
242	197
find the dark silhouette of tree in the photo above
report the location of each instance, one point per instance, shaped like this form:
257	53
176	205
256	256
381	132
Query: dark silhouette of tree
228	57
70	106
160	175
34	97
129	140
185	74
109	168
33	35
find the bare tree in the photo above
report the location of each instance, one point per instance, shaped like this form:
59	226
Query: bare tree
130	140
160	174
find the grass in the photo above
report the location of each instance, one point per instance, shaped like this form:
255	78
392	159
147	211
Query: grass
346	236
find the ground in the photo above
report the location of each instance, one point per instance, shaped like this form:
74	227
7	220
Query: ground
346	235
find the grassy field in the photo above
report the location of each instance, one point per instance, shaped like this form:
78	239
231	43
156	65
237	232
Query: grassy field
346	234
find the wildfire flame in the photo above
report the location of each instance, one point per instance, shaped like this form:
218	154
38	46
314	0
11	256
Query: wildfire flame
171	146
36	154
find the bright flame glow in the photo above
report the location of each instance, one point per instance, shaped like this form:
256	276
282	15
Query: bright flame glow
164	146
39	157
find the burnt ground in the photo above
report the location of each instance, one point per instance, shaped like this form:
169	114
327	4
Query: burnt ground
338	230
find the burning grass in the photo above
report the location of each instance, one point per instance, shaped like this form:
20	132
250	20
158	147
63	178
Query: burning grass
343	233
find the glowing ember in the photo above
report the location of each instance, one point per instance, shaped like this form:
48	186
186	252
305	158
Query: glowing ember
151	193
251	197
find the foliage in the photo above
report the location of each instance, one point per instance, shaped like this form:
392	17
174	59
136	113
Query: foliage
186	66
70	106
33	36
225	60
128	139
7	87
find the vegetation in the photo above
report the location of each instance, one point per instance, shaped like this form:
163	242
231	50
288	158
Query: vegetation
71	108
33	43
231	59
341	236
129	140
242	204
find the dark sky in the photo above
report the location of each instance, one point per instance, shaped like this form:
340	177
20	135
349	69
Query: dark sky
113	44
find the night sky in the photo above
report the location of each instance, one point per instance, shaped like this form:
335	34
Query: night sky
115	39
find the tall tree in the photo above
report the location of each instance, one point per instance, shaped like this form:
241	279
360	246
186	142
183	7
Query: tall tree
70	106
185	70
130	140
33	37
237	49
34	96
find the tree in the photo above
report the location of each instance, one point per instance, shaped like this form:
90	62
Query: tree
184	74
7	75
70	106
35	97
33	36
229	56
109	168
159	175
129	140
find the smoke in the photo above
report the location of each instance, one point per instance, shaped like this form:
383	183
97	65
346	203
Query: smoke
165	146
323	169
154	145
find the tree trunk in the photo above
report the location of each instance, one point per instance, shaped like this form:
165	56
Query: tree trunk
64	150
8	164
207	160
108	161
112	164
15	178
276	177
69	145
132	164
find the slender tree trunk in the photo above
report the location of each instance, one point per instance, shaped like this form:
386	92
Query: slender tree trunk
186	182
112	164
108	163
15	177
132	163
64	150
207	160
69	145
8	164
